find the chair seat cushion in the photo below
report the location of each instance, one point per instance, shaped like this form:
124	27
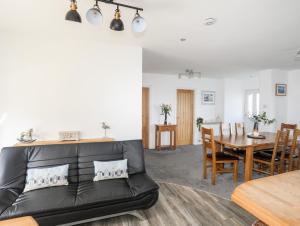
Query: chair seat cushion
222	156
264	156
235	152
287	154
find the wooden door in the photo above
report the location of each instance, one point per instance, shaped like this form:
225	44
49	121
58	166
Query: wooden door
145	117
185	116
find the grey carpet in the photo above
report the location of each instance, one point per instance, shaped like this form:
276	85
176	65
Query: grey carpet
185	167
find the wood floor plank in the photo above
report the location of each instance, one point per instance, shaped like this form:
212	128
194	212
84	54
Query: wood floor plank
184	206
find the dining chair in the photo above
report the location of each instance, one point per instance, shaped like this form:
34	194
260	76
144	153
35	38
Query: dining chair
240	129
291	157
216	158
225	130
272	162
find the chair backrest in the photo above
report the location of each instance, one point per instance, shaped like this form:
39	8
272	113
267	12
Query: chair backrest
281	143
225	129
208	141
295	145
290	127
240	129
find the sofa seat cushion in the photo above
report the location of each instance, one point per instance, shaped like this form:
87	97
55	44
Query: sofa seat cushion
43	201
102	191
141	184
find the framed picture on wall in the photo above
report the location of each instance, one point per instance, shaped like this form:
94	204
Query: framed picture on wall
281	90
208	97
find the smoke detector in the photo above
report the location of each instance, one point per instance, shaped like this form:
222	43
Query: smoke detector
189	73
210	21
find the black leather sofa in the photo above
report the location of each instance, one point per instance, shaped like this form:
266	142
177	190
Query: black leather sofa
82	199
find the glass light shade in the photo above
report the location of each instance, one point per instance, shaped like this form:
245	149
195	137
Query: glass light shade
139	24
94	16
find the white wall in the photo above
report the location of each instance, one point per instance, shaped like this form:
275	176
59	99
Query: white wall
68	83
163	90
293	97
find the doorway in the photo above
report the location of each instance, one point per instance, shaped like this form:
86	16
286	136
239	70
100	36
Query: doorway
185	116
252	106
145	117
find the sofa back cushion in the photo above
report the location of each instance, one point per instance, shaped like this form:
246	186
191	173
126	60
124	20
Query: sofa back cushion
88	153
14	162
13	166
55	155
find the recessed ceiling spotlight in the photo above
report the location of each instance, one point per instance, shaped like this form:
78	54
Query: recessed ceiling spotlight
210	21
183	39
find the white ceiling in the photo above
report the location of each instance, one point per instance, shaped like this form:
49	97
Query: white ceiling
249	35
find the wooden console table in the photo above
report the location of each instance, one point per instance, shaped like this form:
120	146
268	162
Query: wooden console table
165	128
52	142
20	221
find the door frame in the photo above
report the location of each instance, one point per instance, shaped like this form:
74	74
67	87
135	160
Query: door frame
146	145
192	110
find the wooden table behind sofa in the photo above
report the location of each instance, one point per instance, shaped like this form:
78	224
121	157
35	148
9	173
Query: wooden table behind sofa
52	142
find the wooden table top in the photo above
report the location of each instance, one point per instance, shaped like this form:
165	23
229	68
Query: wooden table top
274	200
52	142
244	141
20	221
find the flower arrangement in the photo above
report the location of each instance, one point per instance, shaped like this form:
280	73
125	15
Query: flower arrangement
260	118
166	110
199	122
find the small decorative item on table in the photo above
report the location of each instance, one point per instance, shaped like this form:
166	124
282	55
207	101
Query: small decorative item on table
69	135
105	127
281	90
258	119
26	136
166	110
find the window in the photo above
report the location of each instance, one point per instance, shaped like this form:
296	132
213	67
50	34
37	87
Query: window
252	102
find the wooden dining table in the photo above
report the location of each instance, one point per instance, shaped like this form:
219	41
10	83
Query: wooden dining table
249	145
274	200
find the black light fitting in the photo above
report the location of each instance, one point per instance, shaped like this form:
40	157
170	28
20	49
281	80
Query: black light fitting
94	16
72	14
117	24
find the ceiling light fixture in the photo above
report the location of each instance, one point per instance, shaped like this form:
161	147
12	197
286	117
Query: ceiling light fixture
94	16
189	73
183	39
138	24
72	14
117	24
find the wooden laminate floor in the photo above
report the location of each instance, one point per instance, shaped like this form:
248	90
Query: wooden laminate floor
179	206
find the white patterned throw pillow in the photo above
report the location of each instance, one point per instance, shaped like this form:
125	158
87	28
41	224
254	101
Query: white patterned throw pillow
110	170
46	177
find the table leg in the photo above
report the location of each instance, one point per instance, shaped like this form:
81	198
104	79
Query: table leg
156	139
249	163
175	137
171	140
159	141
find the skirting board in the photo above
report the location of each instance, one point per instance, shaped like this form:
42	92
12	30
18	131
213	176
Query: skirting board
137	214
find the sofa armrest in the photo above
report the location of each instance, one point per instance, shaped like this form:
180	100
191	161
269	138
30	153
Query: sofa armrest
7	198
141	184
